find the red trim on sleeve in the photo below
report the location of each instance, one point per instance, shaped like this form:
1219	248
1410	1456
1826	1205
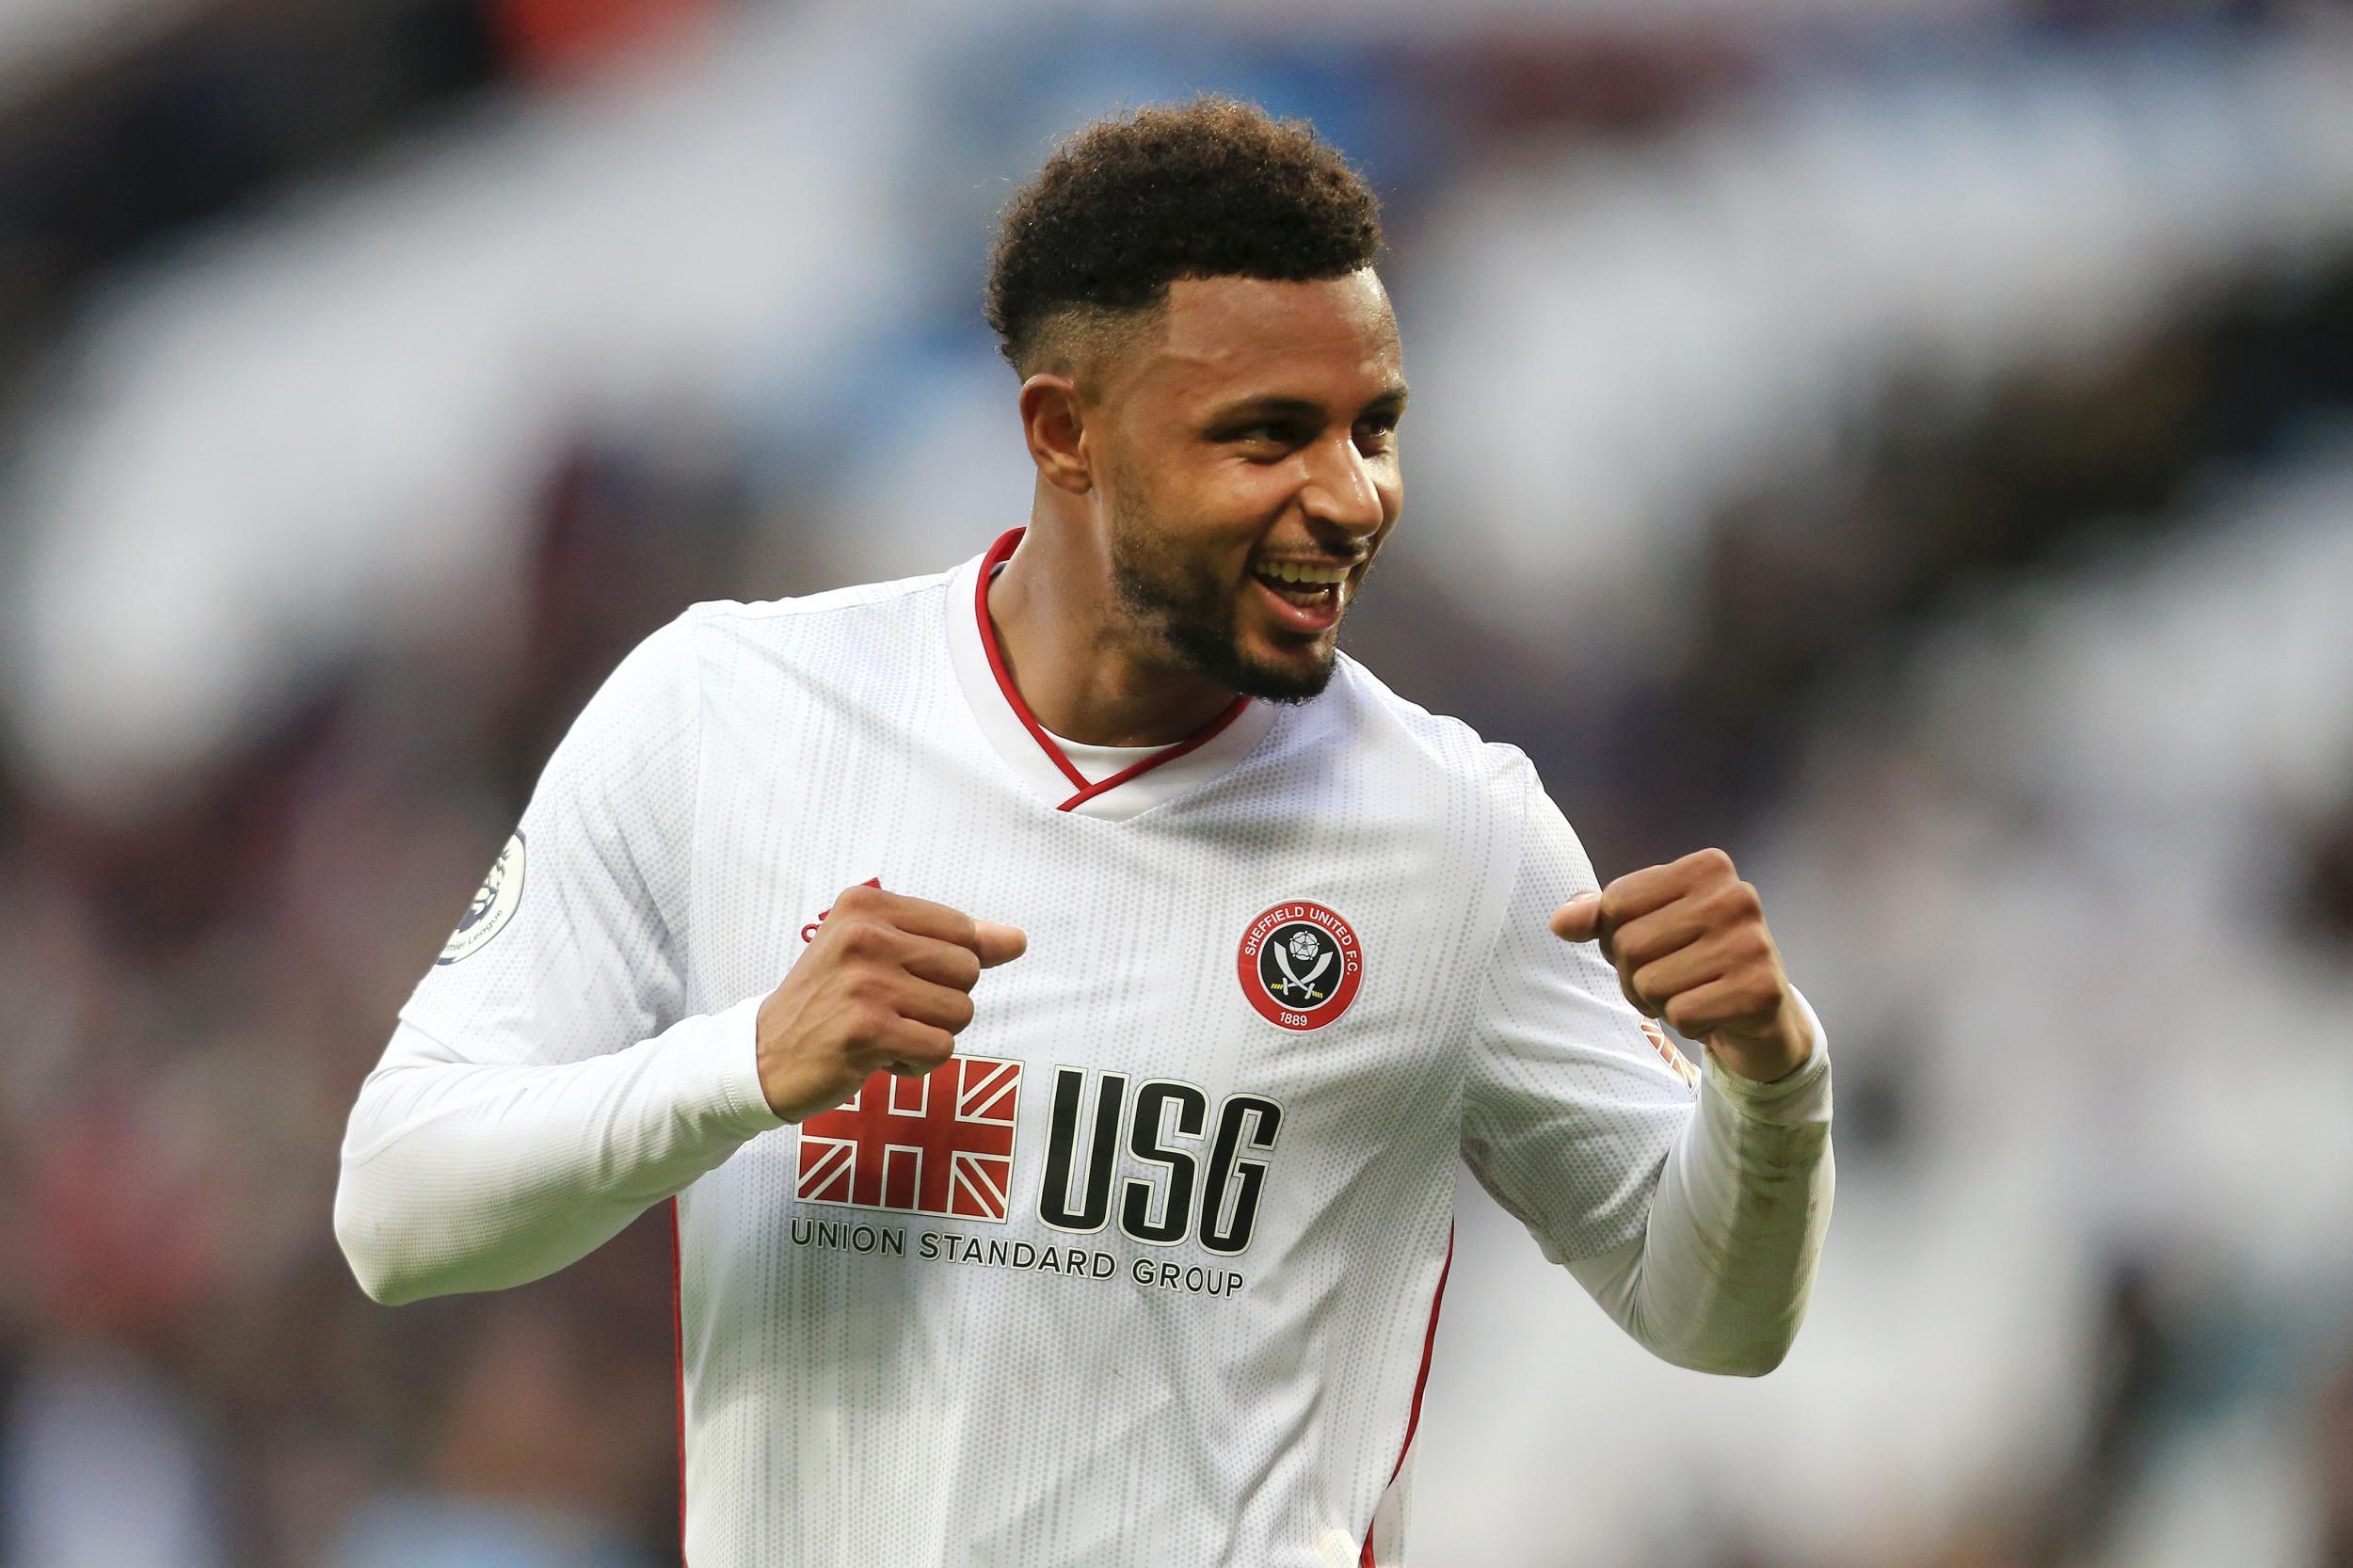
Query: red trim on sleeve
678	1341
1421	1383
999	554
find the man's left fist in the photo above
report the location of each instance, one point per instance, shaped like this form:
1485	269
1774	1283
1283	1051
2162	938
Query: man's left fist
1690	944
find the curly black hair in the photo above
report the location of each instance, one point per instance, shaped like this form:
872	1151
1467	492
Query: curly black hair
1212	188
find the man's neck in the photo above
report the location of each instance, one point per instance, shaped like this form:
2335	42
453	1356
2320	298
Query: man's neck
1073	660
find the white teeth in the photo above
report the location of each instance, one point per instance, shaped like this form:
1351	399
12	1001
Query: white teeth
1292	572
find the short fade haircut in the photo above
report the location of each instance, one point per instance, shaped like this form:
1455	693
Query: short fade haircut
1212	188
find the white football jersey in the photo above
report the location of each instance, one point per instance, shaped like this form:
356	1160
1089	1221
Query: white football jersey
1149	1274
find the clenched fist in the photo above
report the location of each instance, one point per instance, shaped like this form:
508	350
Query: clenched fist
1690	944
885	984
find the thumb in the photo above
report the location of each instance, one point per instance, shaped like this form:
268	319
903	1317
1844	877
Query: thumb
999	944
1580	919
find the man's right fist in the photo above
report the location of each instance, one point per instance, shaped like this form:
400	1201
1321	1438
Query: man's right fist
885	984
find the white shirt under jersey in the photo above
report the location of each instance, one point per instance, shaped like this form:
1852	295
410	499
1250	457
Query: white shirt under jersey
1149	1274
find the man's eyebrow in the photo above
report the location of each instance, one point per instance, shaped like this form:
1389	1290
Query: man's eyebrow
1270	405
1277	405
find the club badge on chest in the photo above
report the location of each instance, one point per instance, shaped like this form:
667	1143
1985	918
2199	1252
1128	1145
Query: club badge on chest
1300	965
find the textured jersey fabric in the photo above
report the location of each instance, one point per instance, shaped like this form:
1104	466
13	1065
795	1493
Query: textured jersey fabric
1147	1275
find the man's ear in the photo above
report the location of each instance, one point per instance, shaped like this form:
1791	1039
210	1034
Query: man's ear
1053	422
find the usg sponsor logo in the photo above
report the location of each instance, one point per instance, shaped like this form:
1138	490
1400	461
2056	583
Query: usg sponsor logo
1162	1161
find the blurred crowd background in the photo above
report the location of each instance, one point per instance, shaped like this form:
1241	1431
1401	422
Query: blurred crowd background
1908	442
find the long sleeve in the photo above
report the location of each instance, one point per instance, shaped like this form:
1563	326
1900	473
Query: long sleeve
544	1086
458	1176
1719	1278
1690	1206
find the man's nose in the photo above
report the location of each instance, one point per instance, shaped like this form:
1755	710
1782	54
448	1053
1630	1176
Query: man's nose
1340	490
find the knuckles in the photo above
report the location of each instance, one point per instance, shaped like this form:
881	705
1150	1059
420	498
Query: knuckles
858	900
1711	863
1733	910
1703	874
857	939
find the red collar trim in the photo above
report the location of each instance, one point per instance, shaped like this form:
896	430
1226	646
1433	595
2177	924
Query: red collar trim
998	555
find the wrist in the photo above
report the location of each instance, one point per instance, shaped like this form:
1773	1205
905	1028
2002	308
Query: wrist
738	1065
1778	1052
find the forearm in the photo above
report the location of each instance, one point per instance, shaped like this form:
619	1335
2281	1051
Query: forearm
1719	1280
462	1177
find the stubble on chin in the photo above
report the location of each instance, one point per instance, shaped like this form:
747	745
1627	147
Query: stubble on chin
1193	620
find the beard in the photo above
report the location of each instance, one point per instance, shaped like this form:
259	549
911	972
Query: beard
1194	616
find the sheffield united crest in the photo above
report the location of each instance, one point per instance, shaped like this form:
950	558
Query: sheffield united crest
1300	965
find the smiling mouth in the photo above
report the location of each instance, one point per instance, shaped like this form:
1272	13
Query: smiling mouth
1305	584
1306	596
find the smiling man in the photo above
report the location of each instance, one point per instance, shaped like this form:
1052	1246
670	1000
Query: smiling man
1129	1251
1218	452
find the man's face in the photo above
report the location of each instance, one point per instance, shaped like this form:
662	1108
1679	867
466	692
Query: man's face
1249	472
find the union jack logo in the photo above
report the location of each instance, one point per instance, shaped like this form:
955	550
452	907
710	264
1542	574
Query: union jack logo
941	1144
